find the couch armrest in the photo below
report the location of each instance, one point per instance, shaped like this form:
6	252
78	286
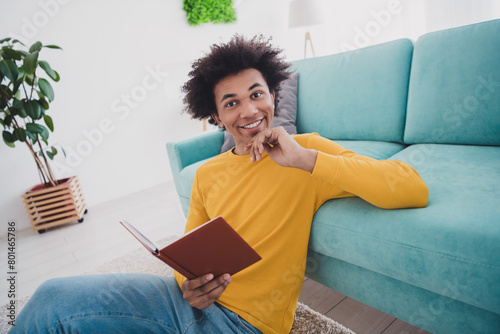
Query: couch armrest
185	152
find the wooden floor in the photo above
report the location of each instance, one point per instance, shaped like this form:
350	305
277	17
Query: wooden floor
354	315
73	249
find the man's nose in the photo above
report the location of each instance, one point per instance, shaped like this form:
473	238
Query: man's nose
248	110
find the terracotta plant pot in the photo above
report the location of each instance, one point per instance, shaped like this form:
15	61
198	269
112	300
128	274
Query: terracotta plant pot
53	206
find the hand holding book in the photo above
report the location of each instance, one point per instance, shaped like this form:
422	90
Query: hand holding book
203	291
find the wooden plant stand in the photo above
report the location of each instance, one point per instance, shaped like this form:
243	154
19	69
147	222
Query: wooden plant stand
53	206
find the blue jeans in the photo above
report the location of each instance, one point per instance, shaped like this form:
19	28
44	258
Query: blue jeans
121	303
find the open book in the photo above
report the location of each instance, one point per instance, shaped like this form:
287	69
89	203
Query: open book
214	247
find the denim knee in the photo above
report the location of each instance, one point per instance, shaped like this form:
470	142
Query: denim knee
48	290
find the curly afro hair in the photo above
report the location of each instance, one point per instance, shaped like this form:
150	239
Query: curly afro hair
229	59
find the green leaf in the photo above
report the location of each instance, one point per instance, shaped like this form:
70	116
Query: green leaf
21	73
38	129
1	122
33	109
17	112
15	89
18	108
11	53
46	89
29	78
43	103
52	47
9	69
8	137
31	136
30	62
5	40
20	134
9	144
7	120
17	41
35	47
49	122
50	72
5	92
50	155
40	94
16	103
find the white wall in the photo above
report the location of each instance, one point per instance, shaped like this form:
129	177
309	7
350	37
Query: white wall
111	48
355	24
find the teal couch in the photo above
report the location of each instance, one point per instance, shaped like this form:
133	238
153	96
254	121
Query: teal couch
434	104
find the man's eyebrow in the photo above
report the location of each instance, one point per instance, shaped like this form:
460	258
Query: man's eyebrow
227	96
255	85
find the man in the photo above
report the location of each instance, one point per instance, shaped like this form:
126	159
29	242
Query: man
274	184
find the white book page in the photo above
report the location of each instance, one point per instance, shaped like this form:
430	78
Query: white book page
153	247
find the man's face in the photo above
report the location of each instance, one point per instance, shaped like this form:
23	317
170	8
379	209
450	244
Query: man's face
245	106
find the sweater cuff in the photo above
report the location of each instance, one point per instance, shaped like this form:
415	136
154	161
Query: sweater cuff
179	278
326	167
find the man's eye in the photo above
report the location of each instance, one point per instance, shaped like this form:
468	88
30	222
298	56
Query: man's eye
230	104
256	94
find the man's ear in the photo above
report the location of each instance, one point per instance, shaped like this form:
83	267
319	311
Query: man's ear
217	119
273	95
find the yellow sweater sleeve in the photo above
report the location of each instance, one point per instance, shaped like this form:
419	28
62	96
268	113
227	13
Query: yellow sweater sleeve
388	184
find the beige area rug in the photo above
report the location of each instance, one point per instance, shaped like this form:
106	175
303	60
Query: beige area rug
307	321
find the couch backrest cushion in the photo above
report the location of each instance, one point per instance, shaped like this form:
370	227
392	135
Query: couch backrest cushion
454	93
356	95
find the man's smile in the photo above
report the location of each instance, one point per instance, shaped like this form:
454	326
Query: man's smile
253	125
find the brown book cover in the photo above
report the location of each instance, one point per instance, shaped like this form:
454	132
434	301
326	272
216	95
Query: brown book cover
214	247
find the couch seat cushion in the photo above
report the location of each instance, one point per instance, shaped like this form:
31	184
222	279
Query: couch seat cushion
452	247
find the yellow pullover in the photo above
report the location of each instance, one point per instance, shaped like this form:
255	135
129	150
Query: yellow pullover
272	208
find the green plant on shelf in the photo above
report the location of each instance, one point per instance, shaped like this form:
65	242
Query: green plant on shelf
204	11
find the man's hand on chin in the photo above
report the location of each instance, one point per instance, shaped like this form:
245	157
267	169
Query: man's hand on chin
282	148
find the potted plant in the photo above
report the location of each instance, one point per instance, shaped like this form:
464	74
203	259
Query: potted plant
24	101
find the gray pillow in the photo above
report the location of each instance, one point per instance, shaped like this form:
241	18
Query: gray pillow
287	111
